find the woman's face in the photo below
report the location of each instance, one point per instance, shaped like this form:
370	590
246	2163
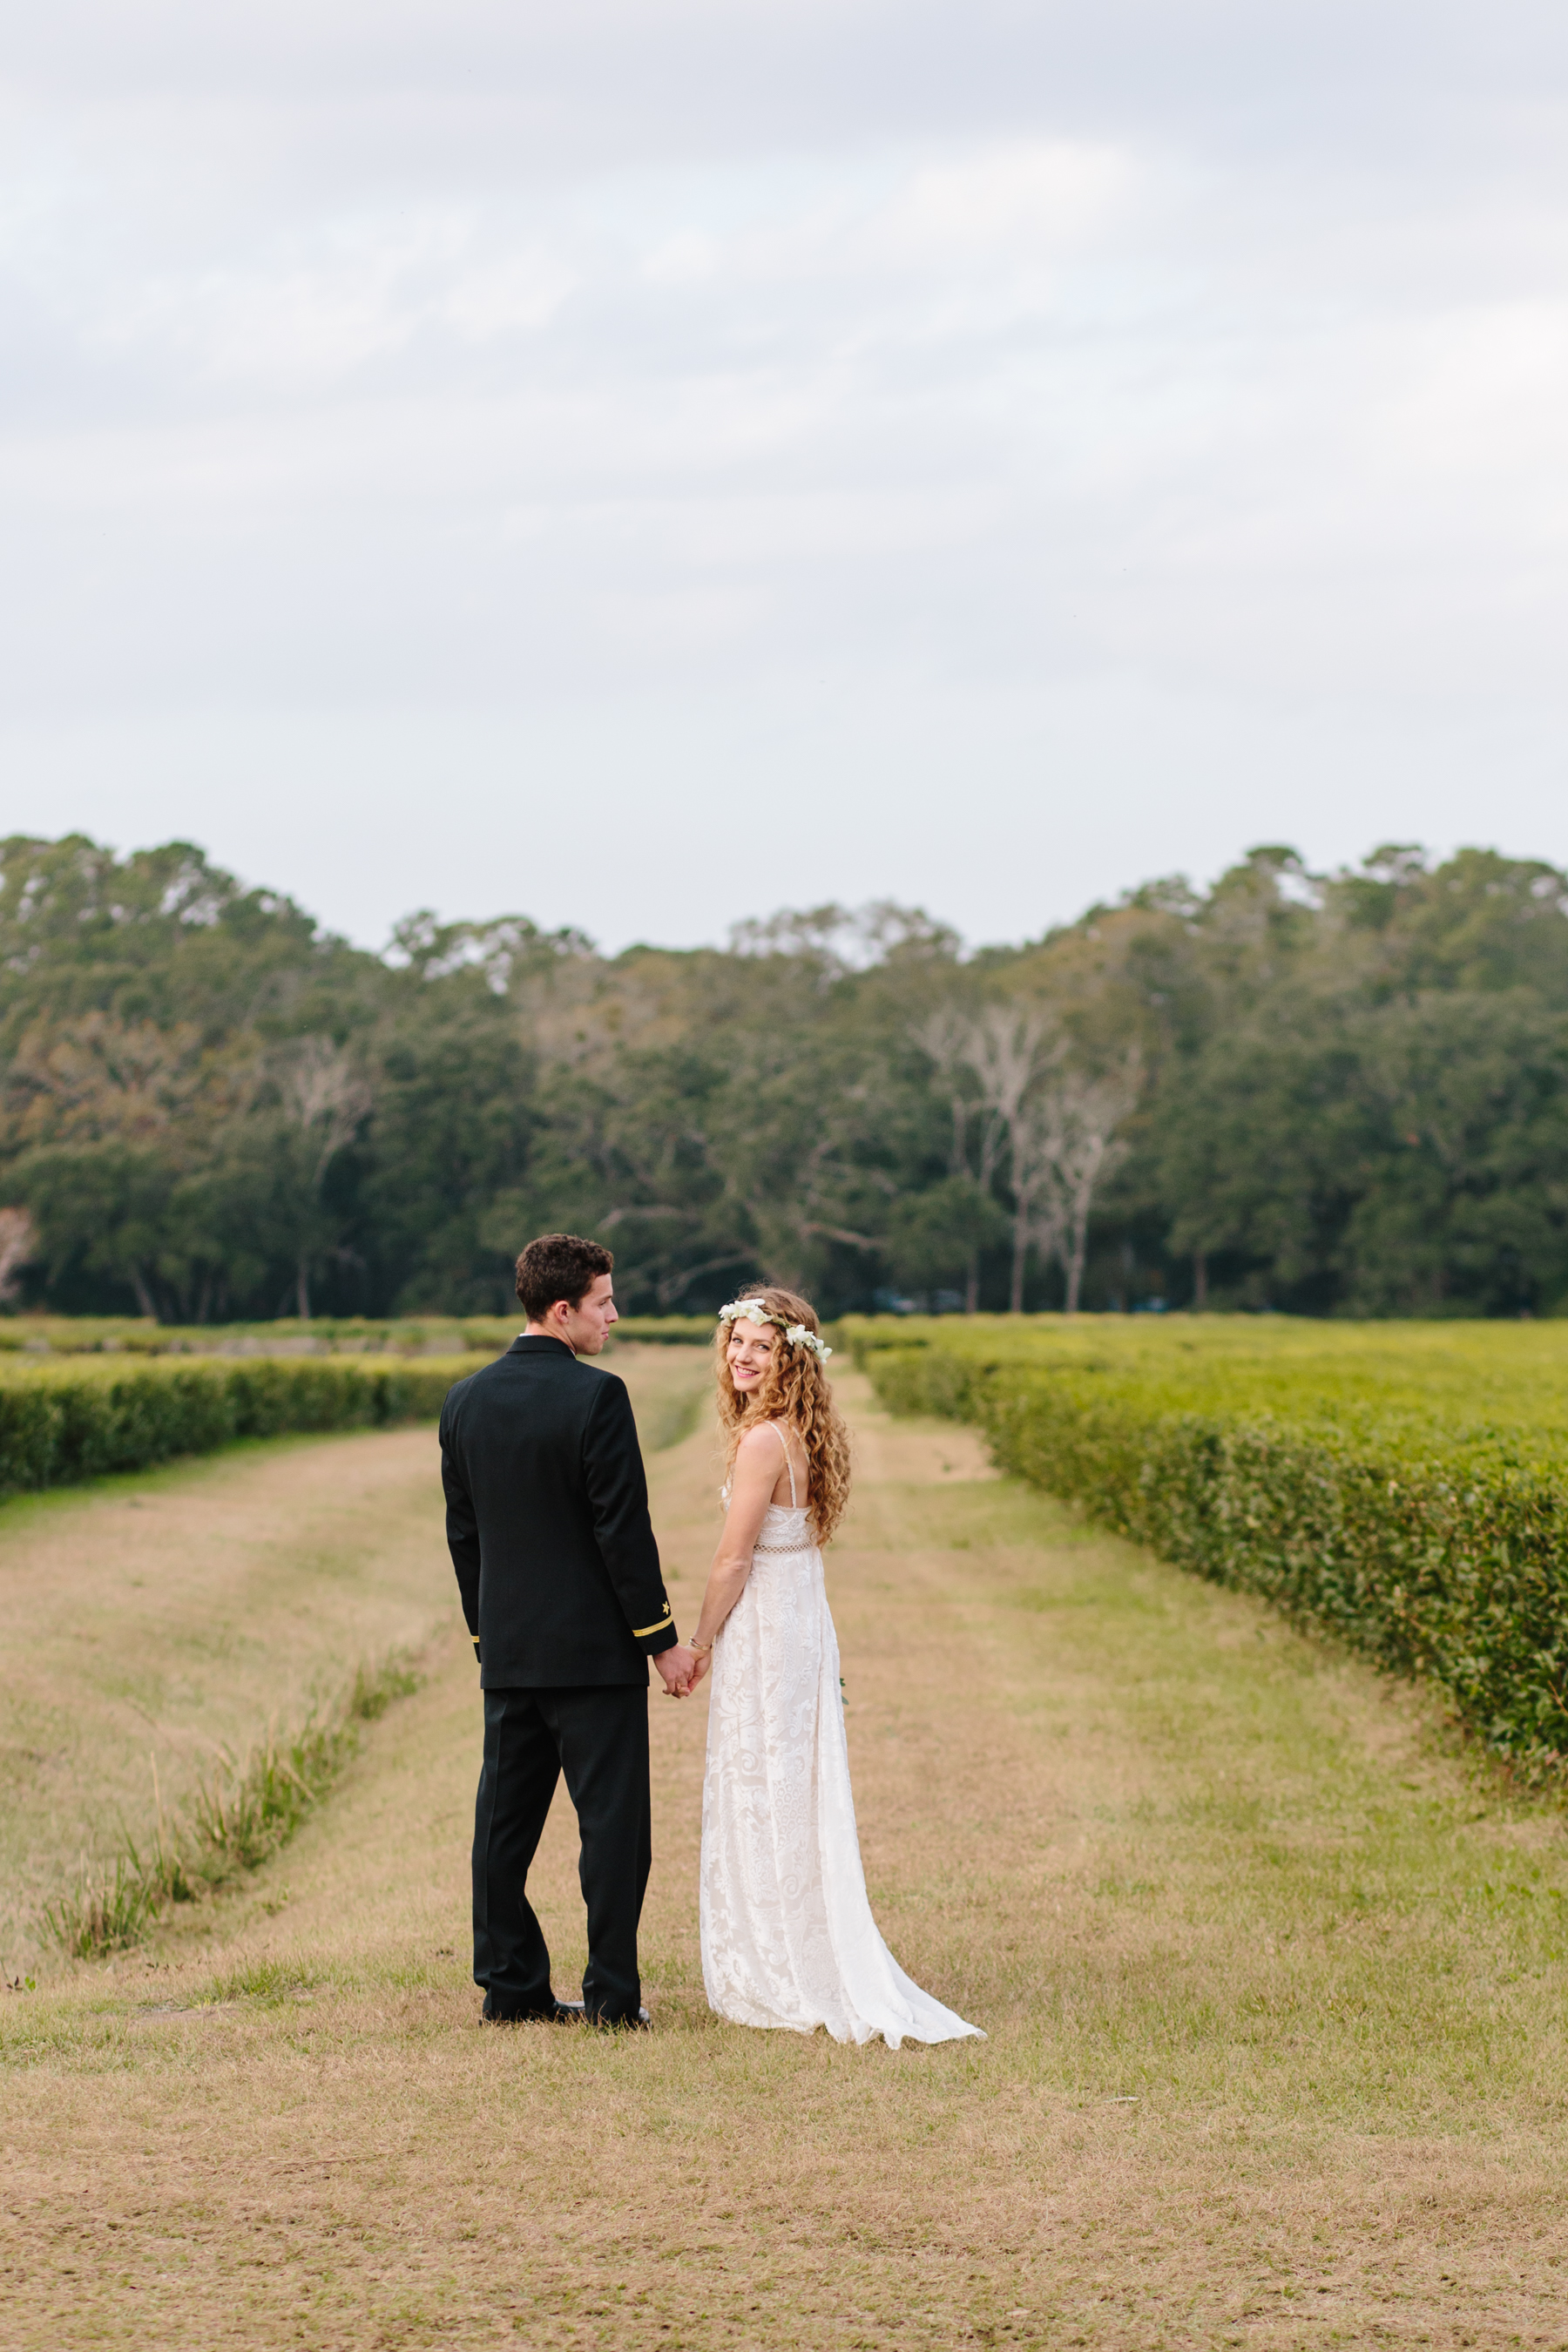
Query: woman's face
747	1353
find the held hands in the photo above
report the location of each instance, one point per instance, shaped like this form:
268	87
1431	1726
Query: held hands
683	1667
678	1670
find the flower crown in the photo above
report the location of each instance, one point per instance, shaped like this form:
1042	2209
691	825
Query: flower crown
751	1310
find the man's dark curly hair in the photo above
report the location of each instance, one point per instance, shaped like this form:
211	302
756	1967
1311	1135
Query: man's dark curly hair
559	1265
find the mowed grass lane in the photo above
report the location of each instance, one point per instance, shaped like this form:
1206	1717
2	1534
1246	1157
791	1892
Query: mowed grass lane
154	1620
1274	1986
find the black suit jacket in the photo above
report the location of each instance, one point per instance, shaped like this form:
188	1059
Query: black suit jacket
547	1520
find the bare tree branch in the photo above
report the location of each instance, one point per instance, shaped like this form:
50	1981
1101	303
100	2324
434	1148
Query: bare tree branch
1009	1049
1075	1148
17	1243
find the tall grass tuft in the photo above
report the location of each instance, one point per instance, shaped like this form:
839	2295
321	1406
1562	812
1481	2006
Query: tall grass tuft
243	1810
109	1908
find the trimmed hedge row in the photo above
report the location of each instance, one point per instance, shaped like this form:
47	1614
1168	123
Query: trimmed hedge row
86	1419
114	1335
45	1336
666	1330
1441	1555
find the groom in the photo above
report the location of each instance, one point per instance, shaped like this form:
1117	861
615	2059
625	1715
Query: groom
558	1571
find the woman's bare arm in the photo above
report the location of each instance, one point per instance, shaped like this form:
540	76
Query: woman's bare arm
757	1464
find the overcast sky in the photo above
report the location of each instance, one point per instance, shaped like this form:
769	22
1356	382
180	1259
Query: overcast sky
645	464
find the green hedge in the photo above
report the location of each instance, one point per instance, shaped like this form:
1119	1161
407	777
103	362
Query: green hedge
61	1424
31	1336
666	1330
1434	1551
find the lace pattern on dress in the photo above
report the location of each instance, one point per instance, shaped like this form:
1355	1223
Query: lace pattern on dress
788	1939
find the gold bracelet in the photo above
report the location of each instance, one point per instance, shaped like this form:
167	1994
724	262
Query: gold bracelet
699	1649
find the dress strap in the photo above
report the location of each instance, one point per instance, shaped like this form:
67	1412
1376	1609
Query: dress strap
789	1462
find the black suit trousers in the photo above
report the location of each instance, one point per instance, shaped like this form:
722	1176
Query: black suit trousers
598	1738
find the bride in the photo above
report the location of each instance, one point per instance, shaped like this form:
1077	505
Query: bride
788	1939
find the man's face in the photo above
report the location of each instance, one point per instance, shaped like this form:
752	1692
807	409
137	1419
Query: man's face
587	1327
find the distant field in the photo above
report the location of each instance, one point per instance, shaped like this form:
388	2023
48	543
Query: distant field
1467	1376
65	1416
27	1336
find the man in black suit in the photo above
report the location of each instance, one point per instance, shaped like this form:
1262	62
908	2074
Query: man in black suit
548	1524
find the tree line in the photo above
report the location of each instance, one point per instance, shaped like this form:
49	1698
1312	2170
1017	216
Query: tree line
1342	1093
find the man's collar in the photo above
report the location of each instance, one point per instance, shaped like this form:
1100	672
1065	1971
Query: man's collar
532	1339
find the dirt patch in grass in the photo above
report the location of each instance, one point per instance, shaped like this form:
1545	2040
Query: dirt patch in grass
1276	2051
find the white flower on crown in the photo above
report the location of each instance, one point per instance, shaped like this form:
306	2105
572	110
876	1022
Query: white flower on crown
751	1310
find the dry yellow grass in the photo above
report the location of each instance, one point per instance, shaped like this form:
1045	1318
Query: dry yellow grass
177	1610
164	1615
1166	1853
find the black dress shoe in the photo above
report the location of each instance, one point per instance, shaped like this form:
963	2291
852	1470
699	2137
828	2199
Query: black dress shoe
638	2024
560	2012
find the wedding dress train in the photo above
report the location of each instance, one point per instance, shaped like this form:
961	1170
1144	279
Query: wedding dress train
788	1939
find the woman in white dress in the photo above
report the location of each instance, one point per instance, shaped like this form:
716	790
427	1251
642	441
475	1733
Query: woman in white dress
788	1939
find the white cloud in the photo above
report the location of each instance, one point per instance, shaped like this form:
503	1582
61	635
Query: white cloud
1024	202
1088	392
1483	398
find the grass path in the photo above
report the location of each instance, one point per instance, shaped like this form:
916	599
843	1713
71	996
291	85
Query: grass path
164	1615
1274	1986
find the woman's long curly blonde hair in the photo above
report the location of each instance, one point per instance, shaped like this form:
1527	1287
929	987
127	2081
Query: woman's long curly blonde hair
794	1390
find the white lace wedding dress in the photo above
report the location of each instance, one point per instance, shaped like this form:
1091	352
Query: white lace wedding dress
788	1939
